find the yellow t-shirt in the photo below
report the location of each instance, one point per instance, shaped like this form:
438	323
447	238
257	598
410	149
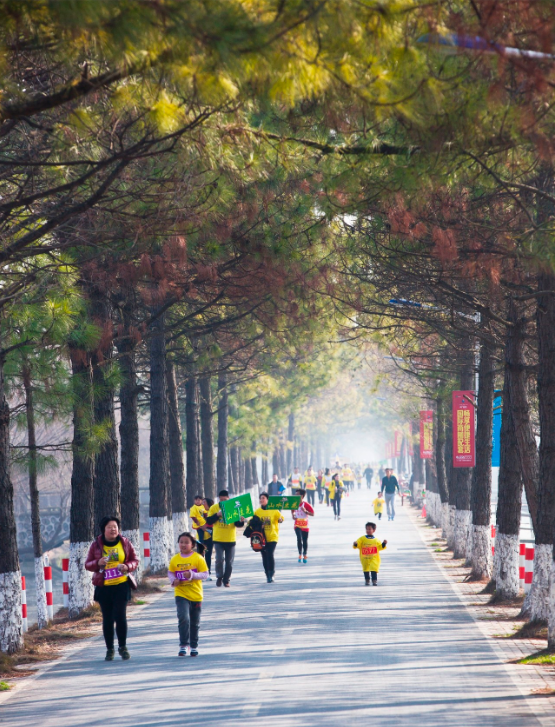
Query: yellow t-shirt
199	512
115	555
271	519
221	533
192	590
369	551
333	488
309	482
378	503
347	474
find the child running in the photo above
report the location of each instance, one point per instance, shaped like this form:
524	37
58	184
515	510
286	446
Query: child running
300	518
379	503
369	547
186	572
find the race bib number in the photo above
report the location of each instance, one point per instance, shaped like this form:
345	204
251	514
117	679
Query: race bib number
301	523
112	573
180	574
369	550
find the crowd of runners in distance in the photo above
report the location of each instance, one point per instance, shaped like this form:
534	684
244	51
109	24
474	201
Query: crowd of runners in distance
112	557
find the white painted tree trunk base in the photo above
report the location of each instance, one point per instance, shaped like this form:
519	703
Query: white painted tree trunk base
42	617
536	603
134	536
81	589
461	534
481	559
159	545
505	566
551	617
445	519
451	527
11	625
180	525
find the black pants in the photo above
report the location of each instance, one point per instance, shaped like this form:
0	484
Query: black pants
302	540
113	604
225	555
209	545
310	496
320	495
337	506
188	619
373	573
268	560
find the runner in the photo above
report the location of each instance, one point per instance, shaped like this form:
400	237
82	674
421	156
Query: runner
389	487
327	484
369	547
197	514
369	474
310	485
271	520
186	572
378	504
300	518
336	493
320	486
225	537
348	478
295	480
111	558
208	541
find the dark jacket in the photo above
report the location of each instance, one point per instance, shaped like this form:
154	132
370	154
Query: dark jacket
275	488
95	554
390	484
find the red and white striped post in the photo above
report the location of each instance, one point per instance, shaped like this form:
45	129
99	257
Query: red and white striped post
65	581
23	605
521	563
146	550
48	589
528	568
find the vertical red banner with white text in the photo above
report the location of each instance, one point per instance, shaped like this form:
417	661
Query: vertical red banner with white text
464	444
426	434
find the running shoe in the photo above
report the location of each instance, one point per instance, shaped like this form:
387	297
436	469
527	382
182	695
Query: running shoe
305	559
109	655
300	558
194	652
227	585
182	651
219	581
366	583
125	655
374	583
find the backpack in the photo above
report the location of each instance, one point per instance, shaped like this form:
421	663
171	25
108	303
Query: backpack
255	531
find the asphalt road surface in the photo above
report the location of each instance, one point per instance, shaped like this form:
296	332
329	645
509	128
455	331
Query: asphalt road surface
315	648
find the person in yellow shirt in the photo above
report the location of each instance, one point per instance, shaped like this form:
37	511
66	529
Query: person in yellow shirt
187	571
310	483
197	514
379	503
369	548
336	493
271	520
224	537
327	483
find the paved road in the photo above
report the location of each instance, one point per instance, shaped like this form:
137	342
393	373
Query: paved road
316	648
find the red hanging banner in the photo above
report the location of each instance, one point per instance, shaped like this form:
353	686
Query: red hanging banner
464	445
397	443
426	434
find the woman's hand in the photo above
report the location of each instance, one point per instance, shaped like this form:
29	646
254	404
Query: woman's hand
103	562
123	568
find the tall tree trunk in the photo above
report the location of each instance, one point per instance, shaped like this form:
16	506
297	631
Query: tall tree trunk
235	473
439	461
160	524
106	483
290	442
129	438
463	513
180	520
509	497
81	529
42	618
283	460
275	464
265	477
223	411
248	474
194	478
480	557
538	600
254	467
207	430
11	634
